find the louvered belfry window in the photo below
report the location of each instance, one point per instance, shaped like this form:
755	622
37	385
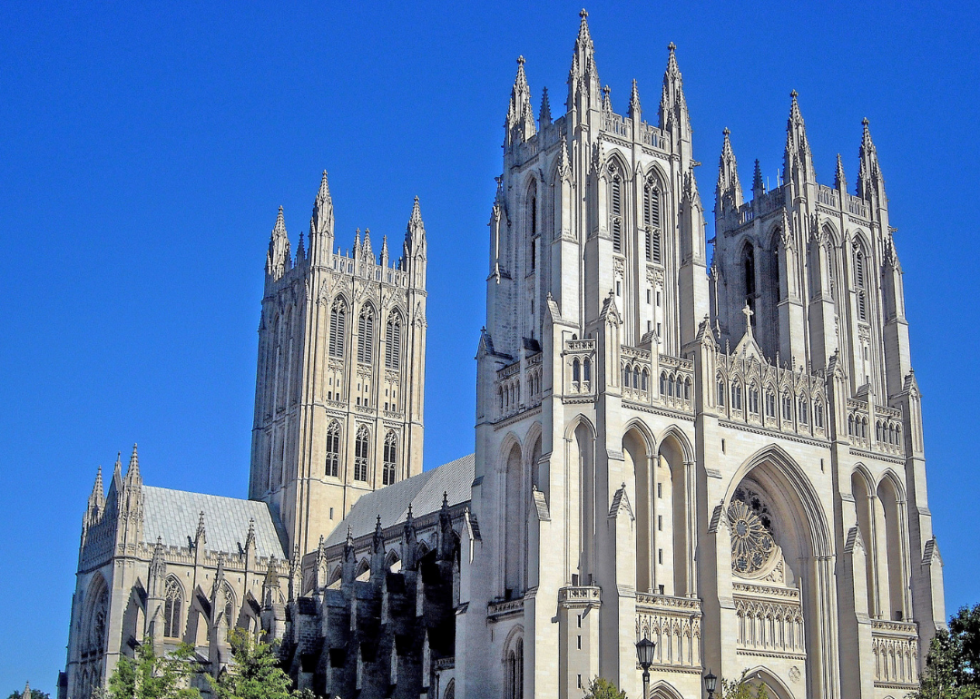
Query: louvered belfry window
651	220
393	342
338	326
616	209
365	335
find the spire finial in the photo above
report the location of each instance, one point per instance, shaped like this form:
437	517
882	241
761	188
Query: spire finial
725	132
583	13
671	47
748	313
134	462
634	110
520	60
544	114
793	94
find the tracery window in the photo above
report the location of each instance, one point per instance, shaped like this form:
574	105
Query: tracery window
770	404
754	550
803	410
393	342
338	326
361	450
229	609
721	392
100	615
586	370
818	414
172	608
754	399
365	335
333	448
388	470
736	396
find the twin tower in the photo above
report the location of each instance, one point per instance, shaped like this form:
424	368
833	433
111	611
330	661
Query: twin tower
341	368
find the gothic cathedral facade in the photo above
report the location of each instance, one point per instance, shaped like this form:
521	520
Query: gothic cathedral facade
722	454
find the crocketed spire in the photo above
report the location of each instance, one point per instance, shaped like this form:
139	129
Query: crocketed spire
673	106
544	114
278	260
321	222
797	160
758	188
634	110
520	117
870	182
728	193
583	77
840	181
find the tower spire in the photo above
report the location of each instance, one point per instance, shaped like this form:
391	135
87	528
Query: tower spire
797	160
634	110
583	77
520	117
544	115
133	472
277	260
870	182
758	188
728	192
674	116
840	181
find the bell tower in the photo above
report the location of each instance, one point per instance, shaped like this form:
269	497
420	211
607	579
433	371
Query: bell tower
341	369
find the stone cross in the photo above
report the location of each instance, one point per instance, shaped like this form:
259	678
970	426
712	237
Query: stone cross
748	318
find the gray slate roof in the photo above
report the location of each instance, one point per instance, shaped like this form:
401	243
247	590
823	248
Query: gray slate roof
172	515
423	492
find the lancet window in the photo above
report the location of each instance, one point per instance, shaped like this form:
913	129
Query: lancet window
860	279
338	326
651	220
390	453
333	449
365	335
172	608
616	209
361	451
393	342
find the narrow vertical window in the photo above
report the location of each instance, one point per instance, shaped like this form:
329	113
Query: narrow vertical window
388	472
333	448
651	220
616	209
338	324
172	609
393	342
365	335
361	449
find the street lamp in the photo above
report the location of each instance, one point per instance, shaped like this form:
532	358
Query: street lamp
644	653
710	684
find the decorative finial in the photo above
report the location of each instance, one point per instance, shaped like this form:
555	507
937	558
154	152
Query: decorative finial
520	60
671	47
793	94
725	132
865	121
583	13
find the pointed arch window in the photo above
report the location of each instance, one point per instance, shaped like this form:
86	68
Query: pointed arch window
393	342
338	326
333	449
365	335
532	218
361	451
721	392
736	396
787	407
818	413
229	609
515	671
616	209
651	220
172	608
770	404
754	399
860	279
390	454
803	410
586	370
748	268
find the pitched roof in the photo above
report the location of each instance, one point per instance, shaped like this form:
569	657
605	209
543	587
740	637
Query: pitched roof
172	515
423	492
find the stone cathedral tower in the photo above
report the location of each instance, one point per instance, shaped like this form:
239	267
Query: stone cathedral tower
341	369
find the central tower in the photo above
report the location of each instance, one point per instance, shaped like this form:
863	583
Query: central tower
341	369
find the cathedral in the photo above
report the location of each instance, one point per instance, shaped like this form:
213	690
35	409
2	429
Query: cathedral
721	454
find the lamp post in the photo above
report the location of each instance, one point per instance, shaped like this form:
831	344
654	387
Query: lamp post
644	653
710	684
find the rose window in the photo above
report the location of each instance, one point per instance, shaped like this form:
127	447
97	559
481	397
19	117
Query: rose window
753	547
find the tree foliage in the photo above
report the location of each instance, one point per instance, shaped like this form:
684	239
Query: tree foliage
35	694
743	688
953	663
255	672
601	688
148	676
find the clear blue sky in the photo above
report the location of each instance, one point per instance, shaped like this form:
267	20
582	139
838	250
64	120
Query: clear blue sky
145	149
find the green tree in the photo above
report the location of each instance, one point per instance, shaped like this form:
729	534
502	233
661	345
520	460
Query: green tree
35	694
953	663
148	676
255	672
743	688
601	688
